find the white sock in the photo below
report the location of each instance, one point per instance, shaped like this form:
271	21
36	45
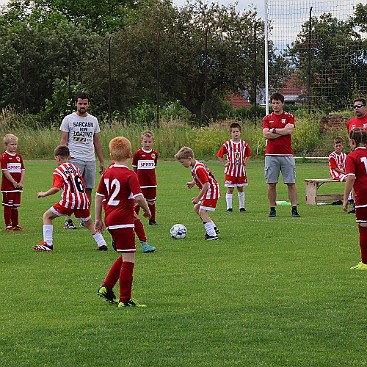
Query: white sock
229	201
241	199
209	227
47	233
99	239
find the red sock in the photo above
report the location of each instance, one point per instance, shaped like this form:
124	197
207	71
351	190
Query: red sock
137	208
152	210
114	274
14	217
363	243
126	280
139	230
7	216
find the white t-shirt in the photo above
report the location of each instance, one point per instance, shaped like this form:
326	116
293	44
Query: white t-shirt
81	131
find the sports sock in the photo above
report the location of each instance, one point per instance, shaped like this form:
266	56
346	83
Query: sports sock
114	274
152	211
363	243
126	280
209	227
229	200
241	199
7	216
99	239
137	209
139	230
14	217
47	233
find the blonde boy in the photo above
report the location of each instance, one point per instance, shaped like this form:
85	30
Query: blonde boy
13	172
208	186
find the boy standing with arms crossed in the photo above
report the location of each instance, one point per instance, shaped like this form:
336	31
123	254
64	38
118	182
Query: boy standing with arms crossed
209	192
238	154
13	172
117	192
74	200
144	162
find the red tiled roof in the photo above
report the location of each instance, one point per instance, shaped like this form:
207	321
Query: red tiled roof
237	101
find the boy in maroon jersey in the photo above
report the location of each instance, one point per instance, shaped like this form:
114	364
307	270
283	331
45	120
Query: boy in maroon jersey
13	172
68	178
117	193
209	192
356	178
144	163
238	154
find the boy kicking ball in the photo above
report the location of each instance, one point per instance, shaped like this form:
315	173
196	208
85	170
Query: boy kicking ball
68	178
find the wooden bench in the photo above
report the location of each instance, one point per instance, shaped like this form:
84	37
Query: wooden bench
313	184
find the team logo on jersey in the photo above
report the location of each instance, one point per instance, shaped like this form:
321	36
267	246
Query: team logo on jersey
153	155
18	159
284	121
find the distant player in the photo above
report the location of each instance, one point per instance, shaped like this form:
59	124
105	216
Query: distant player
68	178
208	186
117	193
337	160
13	172
238	154
144	163
356	178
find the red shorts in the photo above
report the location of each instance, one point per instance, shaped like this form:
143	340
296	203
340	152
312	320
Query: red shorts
80	214
361	215
232	181
11	198
149	193
124	239
208	204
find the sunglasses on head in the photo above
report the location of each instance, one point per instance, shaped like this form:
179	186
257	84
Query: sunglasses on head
358	105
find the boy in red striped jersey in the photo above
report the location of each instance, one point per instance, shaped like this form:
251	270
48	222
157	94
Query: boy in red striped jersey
238	154
68	178
337	160
209	192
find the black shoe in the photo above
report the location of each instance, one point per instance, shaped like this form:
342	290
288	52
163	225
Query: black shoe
352	211
153	223
210	238
295	213
272	213
216	230
107	294
102	248
229	210
242	209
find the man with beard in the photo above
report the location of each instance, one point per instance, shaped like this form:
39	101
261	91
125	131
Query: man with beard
79	131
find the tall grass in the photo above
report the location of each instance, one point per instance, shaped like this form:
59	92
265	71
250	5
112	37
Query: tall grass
37	142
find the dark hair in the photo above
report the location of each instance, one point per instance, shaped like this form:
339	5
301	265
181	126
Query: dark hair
360	99
62	151
277	96
359	136
338	140
81	95
235	125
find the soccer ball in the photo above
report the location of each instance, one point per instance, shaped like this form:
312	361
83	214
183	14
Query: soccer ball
178	231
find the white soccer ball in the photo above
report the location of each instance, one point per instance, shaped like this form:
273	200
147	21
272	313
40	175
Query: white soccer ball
178	231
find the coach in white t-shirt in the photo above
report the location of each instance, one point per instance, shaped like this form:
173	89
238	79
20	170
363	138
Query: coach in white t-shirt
79	131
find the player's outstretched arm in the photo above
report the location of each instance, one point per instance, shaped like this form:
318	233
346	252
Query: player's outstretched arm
49	192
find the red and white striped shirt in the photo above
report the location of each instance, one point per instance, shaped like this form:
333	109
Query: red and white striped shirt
236	153
68	178
337	161
202	174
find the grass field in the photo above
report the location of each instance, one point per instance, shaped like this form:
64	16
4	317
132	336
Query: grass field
271	292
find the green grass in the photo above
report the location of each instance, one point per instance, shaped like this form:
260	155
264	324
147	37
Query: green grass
271	292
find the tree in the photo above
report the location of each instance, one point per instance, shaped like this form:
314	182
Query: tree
332	60
194	55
